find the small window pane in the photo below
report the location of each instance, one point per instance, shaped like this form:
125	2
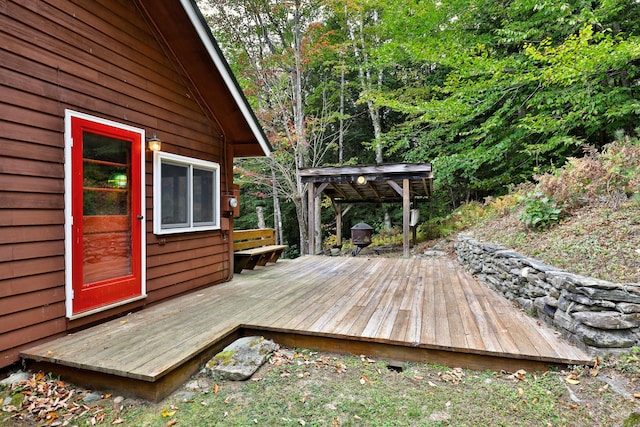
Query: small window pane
175	195
203	197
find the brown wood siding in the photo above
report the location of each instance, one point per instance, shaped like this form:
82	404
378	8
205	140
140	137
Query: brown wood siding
101	58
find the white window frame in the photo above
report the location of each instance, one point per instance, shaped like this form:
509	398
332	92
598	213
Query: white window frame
160	157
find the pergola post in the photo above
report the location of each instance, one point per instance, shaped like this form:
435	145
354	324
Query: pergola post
311	208
337	207
406	206
317	221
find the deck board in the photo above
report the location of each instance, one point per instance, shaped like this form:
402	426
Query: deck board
421	305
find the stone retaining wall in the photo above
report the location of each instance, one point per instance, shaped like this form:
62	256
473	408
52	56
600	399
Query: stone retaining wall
599	316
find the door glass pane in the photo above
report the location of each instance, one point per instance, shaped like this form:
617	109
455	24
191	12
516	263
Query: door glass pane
203	196
175	181
106	207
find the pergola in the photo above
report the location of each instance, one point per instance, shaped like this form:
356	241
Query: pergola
391	183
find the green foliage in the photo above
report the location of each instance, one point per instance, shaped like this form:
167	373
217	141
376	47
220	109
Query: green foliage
629	363
392	237
468	214
539	211
490	92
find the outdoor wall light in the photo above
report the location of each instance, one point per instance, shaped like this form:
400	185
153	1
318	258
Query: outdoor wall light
154	143
361	180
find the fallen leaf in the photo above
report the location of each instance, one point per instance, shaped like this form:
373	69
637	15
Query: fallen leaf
335	422
303	399
216	388
122	322
357	417
228	399
636	395
117	421
520	391
572	379
536	400
364	380
167	413
172	423
106	396
418	377
302	422
432	384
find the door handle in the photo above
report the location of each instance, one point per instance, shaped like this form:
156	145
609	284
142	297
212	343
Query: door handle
140	217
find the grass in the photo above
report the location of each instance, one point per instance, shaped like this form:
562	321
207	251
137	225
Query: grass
317	389
596	242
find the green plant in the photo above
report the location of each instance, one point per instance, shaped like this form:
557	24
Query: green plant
540	211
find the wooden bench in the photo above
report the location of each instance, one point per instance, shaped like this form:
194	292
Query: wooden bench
255	247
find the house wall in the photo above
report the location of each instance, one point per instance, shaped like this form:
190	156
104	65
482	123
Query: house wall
106	62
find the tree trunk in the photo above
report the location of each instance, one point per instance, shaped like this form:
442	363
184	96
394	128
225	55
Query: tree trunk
260	215
277	212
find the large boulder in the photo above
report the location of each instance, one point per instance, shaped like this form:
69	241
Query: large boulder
241	359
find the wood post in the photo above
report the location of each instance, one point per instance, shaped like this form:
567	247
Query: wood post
311	202
337	207
406	215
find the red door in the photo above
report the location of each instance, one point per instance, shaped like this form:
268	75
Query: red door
107	214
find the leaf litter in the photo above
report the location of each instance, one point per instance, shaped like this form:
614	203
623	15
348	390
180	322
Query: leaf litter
52	402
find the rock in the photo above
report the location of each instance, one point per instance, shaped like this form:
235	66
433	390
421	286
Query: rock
7	401
192	385
616	386
184	395
15	378
563	320
91	397
628	307
605	339
628	294
586	301
434	253
241	359
608	319
118	400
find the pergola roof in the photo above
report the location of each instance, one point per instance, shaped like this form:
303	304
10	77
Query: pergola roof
374	184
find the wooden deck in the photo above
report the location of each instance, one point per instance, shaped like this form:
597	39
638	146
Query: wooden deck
401	309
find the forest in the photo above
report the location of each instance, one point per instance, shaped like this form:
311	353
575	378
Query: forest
490	92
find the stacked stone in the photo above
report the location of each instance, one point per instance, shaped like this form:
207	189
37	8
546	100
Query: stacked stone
600	316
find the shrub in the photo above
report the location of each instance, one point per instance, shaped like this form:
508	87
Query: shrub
503	205
462	218
608	178
539	211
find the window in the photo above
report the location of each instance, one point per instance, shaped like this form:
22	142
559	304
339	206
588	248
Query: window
185	194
